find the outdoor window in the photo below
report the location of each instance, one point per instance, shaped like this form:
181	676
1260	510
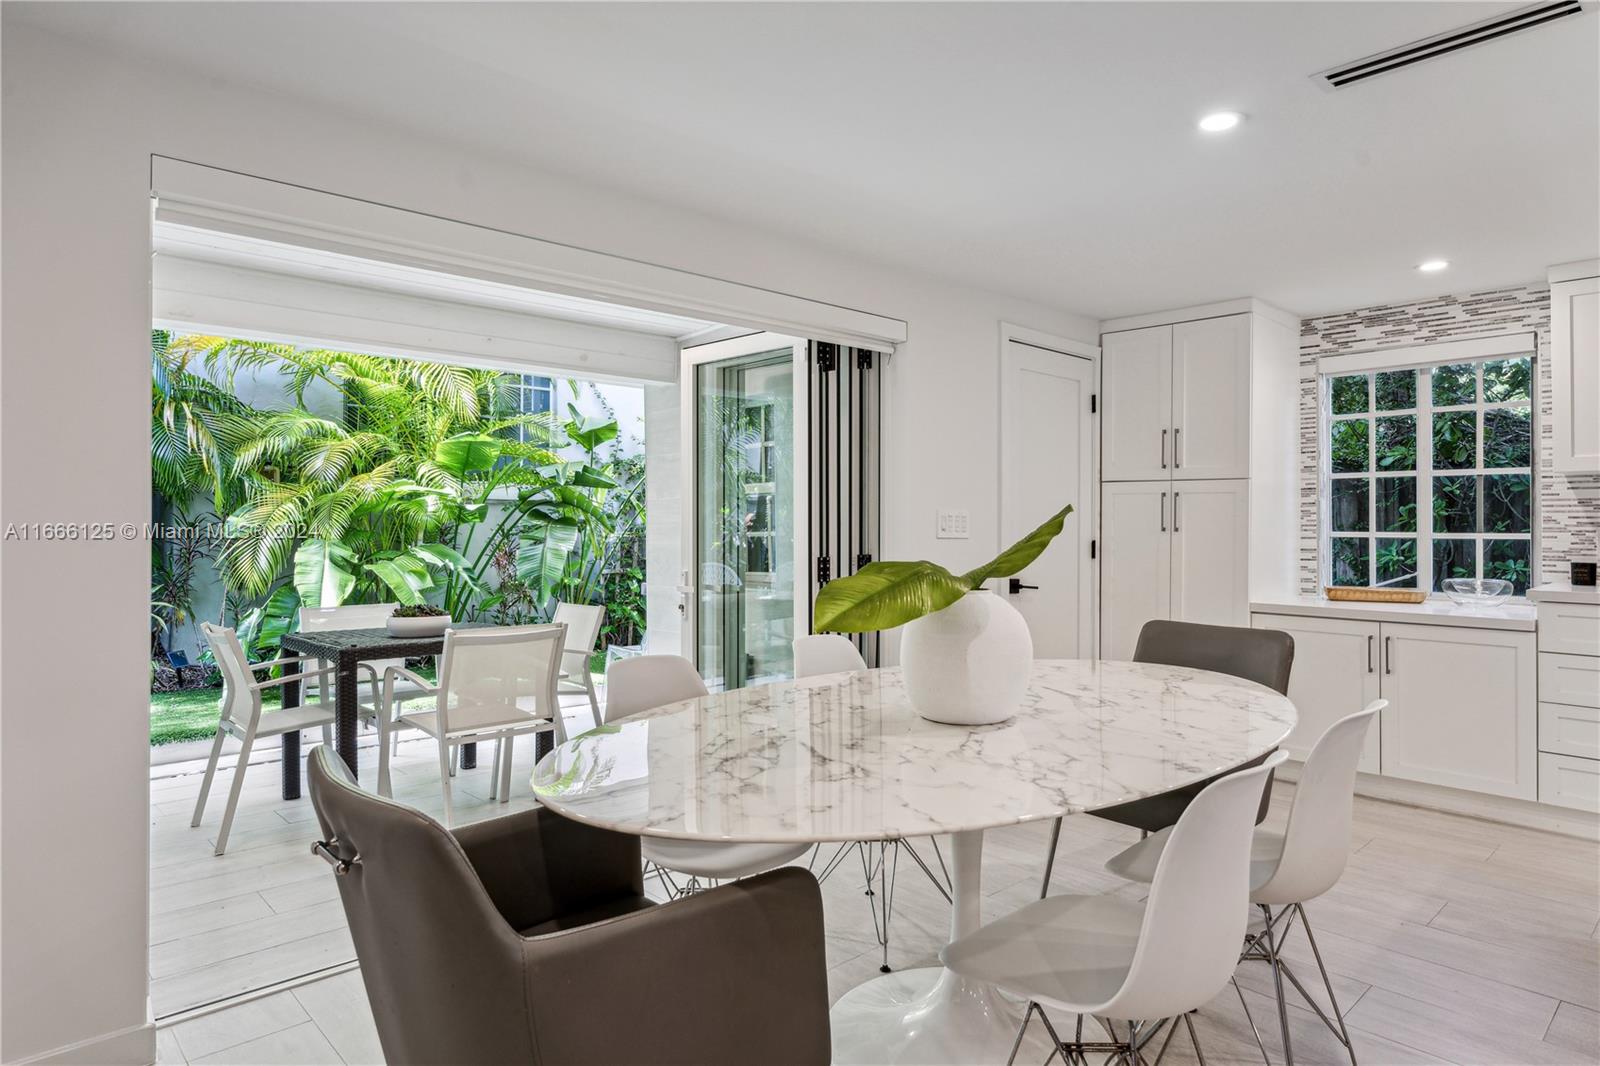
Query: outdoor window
1429	474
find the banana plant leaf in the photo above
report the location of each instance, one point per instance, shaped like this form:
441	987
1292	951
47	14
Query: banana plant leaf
320	574
1020	555
404	581
589	433
576	473
447	558
884	595
466	452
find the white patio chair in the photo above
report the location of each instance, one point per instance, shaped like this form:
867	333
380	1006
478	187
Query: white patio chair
242	716
494	684
583	622
1137	963
644	683
1289	868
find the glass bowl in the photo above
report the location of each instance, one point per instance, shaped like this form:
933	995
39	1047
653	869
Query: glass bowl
1476	591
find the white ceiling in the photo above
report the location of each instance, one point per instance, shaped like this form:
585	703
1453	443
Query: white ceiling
1043	150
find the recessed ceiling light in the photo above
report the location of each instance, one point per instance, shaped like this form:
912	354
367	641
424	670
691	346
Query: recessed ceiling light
1218	121
1433	266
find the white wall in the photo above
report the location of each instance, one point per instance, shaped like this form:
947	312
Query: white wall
79	128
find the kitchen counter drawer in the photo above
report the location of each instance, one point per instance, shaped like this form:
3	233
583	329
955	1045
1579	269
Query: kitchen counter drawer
1569	782
1569	628
1569	679
1565	730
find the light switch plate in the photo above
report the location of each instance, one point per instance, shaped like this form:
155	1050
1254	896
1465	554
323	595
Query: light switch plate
952	525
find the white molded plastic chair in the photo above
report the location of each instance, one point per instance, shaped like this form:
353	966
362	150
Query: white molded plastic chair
243	717
1134	962
830	653
583	622
644	683
494	684
825	653
1296	865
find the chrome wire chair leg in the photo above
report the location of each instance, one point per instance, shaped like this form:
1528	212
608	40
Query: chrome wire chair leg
1016	1045
943	888
1327	983
887	871
1188	1020
1057	1047
1277	979
1050	858
1247	1017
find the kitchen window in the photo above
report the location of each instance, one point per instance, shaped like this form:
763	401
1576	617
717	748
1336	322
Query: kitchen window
1428	473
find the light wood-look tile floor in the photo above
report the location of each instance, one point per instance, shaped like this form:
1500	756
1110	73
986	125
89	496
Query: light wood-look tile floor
1450	940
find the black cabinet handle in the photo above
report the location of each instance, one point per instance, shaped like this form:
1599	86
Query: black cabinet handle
1176	460
1163	512
1163	449
1388	656
1017	586
1370	640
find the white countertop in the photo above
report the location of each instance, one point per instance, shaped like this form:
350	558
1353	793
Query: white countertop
844	757
1564	592
1515	614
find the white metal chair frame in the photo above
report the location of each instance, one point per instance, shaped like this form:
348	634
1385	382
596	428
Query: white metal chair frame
830	653
241	715
1184	934
354	616
583	622
643	683
1303	862
545	716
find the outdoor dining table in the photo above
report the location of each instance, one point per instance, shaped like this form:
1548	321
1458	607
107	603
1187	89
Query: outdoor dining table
843	757
345	650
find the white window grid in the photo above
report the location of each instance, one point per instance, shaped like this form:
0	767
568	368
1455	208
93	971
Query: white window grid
1423	476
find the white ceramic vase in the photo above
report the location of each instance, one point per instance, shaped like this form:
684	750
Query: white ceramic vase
968	664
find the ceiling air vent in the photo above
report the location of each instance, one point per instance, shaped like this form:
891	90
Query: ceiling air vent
1444	43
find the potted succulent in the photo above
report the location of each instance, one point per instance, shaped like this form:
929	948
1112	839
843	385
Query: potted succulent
418	620
966	652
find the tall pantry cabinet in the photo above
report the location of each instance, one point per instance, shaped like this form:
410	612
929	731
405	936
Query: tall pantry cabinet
1199	470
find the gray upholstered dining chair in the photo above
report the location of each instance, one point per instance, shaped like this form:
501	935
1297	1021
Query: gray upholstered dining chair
528	939
1264	656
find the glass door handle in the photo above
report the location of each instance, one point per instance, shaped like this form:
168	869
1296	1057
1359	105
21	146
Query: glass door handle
1015	586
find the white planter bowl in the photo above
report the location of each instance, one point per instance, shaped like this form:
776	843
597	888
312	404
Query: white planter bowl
418	627
968	664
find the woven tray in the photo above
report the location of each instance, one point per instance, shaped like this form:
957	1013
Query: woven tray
1364	595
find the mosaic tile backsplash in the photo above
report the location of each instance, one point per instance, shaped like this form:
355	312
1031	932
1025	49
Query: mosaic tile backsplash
1568	507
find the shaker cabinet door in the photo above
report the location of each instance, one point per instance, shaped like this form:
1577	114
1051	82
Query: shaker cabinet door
1335	675
1210	562
1135	563
1462	709
1136	405
1211	398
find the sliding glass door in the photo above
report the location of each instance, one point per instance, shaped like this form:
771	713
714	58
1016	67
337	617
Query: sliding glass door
748	586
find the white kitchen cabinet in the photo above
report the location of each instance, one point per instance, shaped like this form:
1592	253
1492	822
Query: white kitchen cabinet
1335	674
1171	550
1569	782
1210	565
1575	375
1211	398
1135	562
1461	708
1136	417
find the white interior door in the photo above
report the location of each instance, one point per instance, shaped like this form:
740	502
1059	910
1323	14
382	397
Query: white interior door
746	489
1047	461
1211	398
1210	565
1136	420
1135	562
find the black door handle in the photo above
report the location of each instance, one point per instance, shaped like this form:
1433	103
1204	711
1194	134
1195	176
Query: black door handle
1017	586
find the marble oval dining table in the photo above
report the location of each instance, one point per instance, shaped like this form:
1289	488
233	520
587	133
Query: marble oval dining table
843	757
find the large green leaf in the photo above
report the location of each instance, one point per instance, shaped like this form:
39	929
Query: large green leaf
589	432
1017	558
466	452
885	595
320	576
405	583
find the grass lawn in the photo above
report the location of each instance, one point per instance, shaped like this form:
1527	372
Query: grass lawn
192	714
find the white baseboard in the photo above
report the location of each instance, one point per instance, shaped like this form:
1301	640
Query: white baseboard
1524	813
133	1046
